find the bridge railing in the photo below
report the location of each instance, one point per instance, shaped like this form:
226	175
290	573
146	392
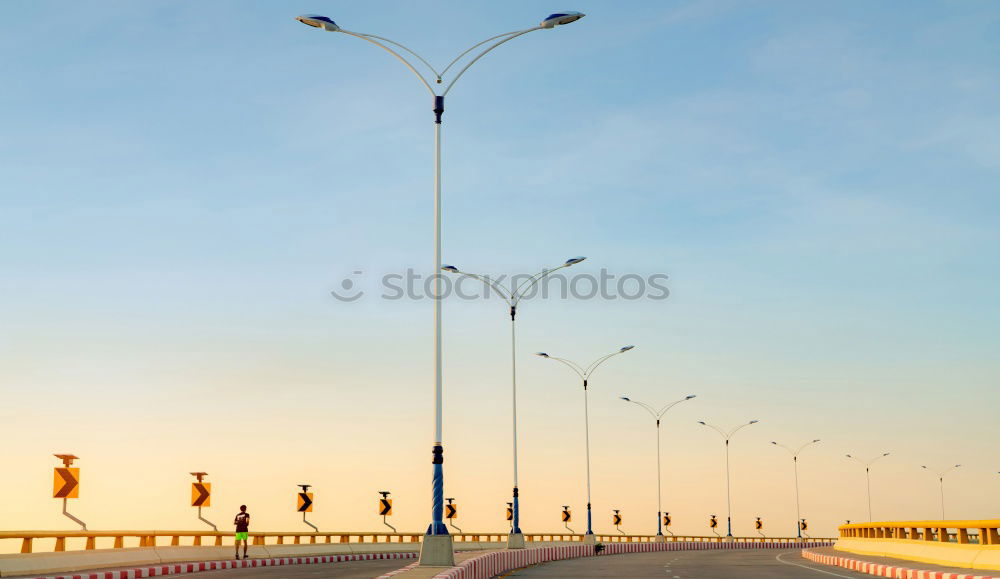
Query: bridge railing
32	541
985	532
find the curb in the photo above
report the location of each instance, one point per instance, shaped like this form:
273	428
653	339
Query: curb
182	568
892	571
497	562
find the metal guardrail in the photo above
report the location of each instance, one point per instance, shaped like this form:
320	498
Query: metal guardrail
983	532
211	538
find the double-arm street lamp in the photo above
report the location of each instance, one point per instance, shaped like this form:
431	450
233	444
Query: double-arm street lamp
727	436
584	374
657	415
512	297
941	482
868	479
795	461
437	547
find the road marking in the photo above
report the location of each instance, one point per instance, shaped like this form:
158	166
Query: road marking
778	557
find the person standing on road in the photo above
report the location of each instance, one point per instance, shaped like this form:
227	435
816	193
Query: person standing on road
242	523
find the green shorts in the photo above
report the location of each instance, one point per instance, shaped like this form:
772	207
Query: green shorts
242	536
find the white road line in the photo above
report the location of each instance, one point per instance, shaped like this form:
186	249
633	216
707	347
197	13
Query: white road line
778	557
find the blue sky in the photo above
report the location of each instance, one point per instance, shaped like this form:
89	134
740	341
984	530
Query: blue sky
183	183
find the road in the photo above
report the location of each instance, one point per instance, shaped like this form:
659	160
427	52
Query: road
748	564
345	570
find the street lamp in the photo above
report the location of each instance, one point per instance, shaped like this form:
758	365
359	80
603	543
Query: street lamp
657	415
795	462
726	436
868	479
437	548
512	297
584	374
941	481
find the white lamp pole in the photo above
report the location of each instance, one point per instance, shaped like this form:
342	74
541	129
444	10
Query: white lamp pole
868	478
440	555
795	462
657	415
941	481
726	436
512	297
584	374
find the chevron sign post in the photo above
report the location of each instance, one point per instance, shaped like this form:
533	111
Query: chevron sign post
201	496
66	484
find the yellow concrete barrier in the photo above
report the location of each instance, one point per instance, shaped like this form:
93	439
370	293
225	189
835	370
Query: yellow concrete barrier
968	544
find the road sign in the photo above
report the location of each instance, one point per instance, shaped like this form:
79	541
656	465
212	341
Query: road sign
566	515
758	524
804	525
66	483
385	507
510	513
305	503
451	511
201	494
616	519
666	519
713	522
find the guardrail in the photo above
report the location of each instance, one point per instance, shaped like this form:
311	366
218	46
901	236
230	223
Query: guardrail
962	532
967	544
128	539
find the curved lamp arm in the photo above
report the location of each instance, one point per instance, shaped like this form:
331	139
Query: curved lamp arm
394	43
483	53
471	48
741	427
715	428
487	281
572	365
531	281
370	38
648	408
672	404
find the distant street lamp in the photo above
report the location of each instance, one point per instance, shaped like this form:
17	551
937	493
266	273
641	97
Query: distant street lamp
437	548
657	415
584	374
512	297
727	436
868	478
795	462
941	481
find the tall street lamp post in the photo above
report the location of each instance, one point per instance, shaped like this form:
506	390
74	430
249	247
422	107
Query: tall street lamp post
584	374
941	482
657	415
795	462
513	297
868	479
437	548
729	503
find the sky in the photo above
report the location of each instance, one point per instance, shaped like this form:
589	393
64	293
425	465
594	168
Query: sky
184	184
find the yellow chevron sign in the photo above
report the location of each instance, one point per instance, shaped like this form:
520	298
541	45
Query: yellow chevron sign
713	522
201	494
451	511
385	507
666	519
759	524
567	516
510	514
616	519
66	483
305	503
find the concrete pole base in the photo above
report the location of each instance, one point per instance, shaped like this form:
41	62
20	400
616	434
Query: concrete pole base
590	539
661	538
515	541
437	551
730	539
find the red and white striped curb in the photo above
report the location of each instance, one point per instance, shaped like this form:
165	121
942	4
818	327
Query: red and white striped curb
398	571
179	568
880	570
497	562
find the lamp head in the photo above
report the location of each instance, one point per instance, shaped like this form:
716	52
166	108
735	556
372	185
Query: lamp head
542	354
626	348
886	454
773	442
560	18
753	421
848	456
817	440
317	21
690	396
574	260
450	268
702	423
625	398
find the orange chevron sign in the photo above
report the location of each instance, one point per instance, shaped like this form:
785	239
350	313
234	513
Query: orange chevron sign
616	519
66	483
201	494
385	507
567	517
713	522
666	519
759	524
305	503
510	513
451	511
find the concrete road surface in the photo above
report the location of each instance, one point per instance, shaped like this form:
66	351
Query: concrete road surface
748	564
345	570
